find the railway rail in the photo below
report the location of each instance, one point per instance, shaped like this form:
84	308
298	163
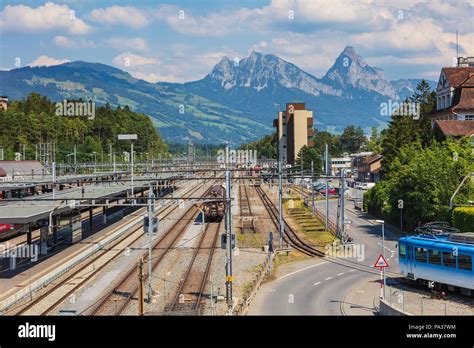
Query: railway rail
128	287
289	235
49	300
246	215
188	298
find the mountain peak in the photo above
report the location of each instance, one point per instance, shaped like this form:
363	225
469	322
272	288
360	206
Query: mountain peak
350	70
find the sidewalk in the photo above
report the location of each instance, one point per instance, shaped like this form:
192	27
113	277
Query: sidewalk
363	298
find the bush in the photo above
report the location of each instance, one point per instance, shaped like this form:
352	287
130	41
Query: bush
463	218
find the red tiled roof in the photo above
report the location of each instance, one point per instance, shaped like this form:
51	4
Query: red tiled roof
455	128
466	99
457	75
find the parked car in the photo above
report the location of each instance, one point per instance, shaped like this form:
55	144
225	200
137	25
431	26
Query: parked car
330	191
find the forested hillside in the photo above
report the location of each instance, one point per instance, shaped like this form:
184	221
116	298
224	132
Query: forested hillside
33	121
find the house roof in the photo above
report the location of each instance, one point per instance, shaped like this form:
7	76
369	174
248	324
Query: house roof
466	99
457	75
455	128
22	167
373	159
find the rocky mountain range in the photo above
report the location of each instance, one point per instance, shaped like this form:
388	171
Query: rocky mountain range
236	101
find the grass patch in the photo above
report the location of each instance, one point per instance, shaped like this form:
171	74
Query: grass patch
250	240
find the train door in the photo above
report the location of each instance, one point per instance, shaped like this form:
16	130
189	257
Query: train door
411	260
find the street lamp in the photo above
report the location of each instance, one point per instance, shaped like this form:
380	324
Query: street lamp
95	160
383	254
129	137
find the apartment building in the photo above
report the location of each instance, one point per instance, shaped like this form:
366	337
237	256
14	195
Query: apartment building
294	130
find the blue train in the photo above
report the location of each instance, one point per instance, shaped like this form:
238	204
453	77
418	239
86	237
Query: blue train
445	258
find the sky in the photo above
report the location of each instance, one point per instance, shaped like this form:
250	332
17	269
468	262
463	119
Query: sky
181	40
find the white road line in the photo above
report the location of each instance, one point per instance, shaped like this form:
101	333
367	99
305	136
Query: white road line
317	283
301	270
339	274
272	290
328	278
352	270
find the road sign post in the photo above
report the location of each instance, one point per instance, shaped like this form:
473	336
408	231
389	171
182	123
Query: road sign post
381	263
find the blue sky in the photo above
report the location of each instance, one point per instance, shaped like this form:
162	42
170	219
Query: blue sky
179	41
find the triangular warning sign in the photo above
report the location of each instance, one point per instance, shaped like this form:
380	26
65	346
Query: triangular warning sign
381	262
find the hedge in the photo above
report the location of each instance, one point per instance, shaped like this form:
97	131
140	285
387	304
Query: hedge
463	218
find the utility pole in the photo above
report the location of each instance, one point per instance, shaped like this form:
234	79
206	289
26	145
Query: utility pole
75	159
326	169
140	287
54	179
280	207
341	192
302	192
131	154
151	229
229	277
312	187
383	253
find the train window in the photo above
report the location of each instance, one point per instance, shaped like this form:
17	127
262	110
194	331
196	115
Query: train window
402	251
465	262
420	254
434	257
449	260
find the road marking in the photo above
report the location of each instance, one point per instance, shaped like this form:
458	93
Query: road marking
339	274
272	290
317	283
328	278
301	270
352	270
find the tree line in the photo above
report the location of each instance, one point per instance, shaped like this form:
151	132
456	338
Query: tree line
34	120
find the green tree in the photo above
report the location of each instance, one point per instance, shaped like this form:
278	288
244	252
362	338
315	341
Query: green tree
308	155
406	129
352	139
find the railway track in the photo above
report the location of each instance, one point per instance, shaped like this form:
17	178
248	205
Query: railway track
246	220
127	287
65	288
289	235
188	298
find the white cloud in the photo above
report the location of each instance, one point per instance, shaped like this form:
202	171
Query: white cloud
121	43
47	61
127	60
48	17
63	41
120	15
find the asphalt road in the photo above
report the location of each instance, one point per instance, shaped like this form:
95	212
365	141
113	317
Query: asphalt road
317	286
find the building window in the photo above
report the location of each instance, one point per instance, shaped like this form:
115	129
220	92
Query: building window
469	117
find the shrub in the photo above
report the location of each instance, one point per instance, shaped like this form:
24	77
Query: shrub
463	218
